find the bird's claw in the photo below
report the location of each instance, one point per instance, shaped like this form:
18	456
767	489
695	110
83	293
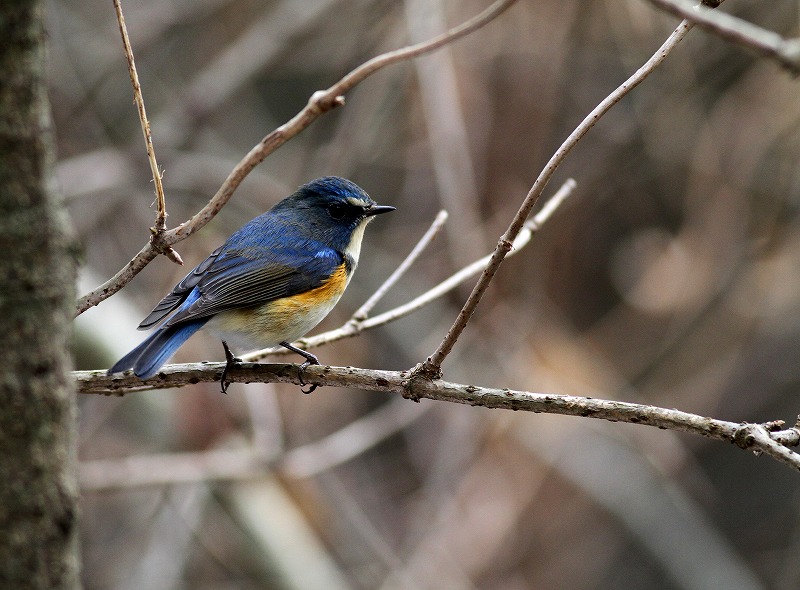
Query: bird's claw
230	362
310	360
300	370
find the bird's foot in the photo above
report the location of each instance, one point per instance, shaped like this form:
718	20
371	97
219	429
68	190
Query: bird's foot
230	362
310	360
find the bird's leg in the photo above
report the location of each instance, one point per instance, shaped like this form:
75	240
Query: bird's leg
310	360
230	362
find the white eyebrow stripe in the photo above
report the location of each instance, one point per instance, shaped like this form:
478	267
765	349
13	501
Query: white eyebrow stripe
357	202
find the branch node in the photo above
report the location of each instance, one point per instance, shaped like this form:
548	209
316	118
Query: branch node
423	372
427	370
505	245
161	246
321	102
773	425
744	437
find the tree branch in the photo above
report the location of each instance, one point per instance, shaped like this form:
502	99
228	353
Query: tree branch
768	43
320	103
752	437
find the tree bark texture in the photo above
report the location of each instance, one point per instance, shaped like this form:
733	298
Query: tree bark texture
38	520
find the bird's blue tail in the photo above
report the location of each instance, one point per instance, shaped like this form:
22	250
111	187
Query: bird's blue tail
147	358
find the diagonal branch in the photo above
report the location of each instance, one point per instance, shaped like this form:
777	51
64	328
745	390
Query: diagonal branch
320	103
431	368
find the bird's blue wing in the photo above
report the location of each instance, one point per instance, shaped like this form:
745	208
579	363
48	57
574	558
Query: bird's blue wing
179	293
231	280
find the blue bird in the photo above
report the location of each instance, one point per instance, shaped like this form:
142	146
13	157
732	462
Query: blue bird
270	283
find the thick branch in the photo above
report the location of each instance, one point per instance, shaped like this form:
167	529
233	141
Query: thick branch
747	436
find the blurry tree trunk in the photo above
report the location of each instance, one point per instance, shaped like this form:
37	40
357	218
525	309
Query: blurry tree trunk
38	525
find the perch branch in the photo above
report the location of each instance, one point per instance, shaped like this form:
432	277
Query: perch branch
757	438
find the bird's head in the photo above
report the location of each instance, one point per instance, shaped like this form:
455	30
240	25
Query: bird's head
332	210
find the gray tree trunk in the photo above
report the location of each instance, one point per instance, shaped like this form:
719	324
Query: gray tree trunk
38	520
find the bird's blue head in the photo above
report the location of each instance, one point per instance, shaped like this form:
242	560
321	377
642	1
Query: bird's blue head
332	210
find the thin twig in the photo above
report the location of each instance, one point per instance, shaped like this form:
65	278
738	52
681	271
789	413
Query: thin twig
432	366
362	312
766	42
161	215
320	103
746	436
353	327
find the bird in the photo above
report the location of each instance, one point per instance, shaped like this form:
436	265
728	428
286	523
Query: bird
269	283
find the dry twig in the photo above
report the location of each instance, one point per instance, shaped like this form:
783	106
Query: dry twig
768	43
156	239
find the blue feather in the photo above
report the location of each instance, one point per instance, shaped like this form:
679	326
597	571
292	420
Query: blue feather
147	358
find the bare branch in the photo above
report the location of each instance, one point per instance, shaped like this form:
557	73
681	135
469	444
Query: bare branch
161	216
320	103
432	367
747	436
766	42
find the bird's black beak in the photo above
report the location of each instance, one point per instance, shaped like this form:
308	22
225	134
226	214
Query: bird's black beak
377	210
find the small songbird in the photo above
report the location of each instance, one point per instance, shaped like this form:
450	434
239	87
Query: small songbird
270	282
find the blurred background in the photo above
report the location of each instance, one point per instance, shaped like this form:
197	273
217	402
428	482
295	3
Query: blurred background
670	277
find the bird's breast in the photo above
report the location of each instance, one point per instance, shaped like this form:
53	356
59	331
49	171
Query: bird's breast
284	319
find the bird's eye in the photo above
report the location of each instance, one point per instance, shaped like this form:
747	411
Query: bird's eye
336	210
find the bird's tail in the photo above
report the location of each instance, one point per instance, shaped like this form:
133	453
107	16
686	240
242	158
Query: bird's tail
147	358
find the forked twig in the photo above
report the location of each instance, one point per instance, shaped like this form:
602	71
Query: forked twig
362	312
